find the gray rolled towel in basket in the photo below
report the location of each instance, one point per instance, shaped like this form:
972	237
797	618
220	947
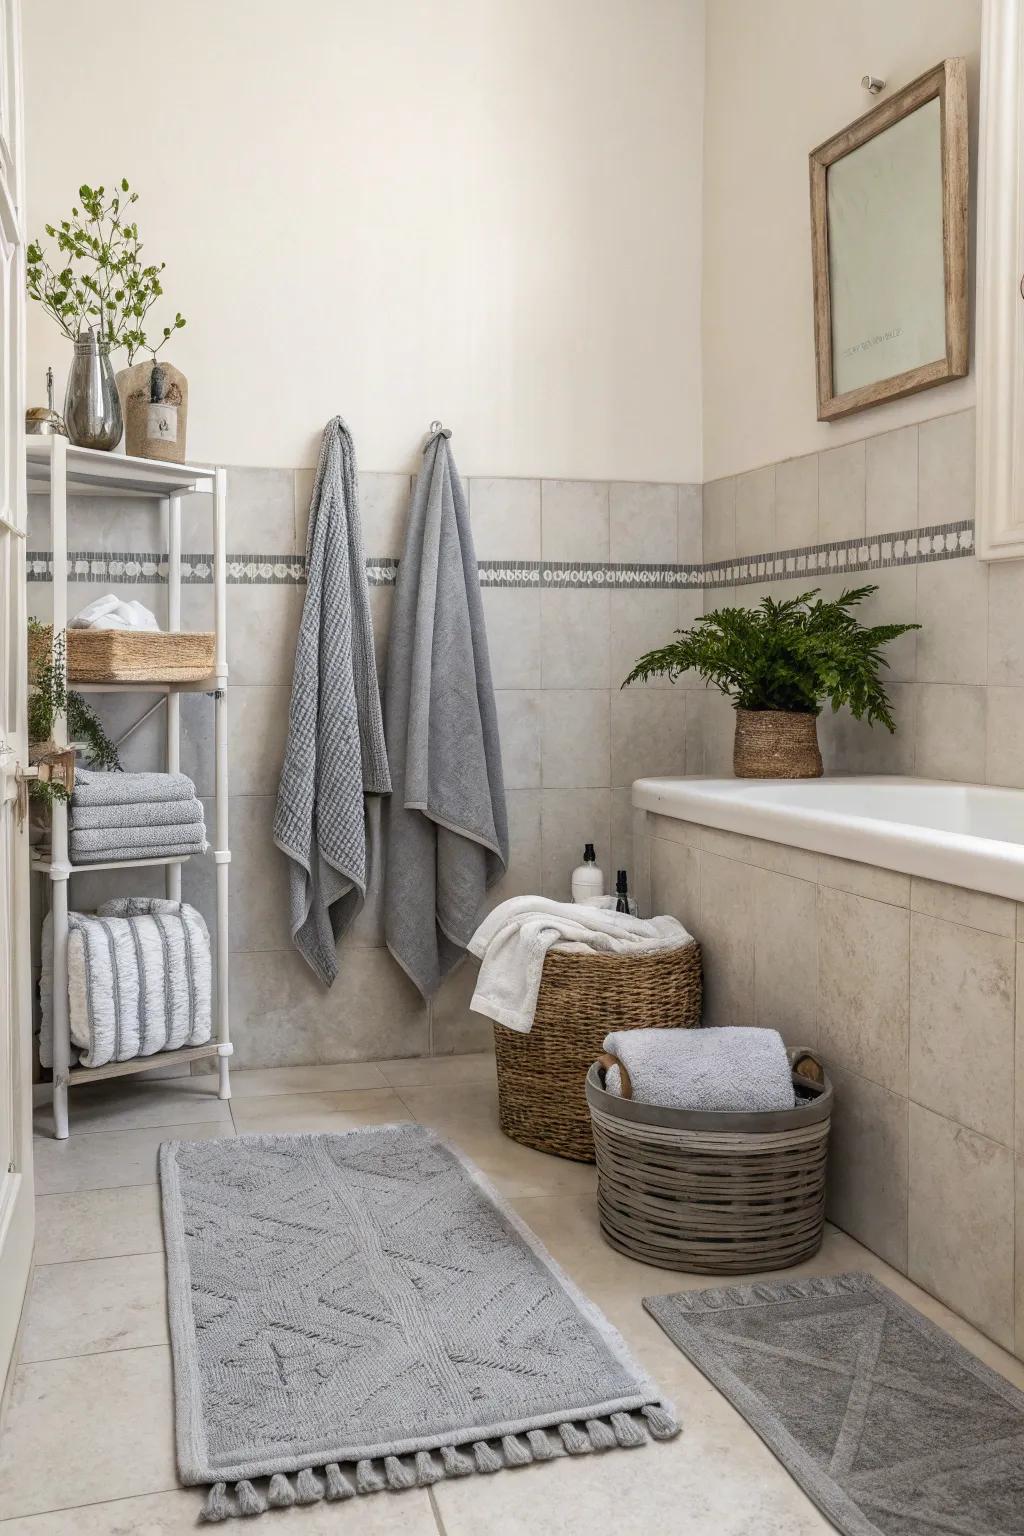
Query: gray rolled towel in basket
729	1069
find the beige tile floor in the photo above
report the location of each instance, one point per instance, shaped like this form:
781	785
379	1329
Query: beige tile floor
88	1446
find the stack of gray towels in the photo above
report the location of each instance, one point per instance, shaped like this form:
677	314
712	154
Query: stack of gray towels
116	816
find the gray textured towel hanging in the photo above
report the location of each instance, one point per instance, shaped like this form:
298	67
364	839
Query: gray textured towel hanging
447	828
335	755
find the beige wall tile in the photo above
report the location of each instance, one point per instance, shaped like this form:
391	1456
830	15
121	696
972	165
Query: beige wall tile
575	646
519	727
951	732
726	934
1005	630
623	851
854	746
574	520
281	1016
891	480
868	1165
719	519
946	467
512	619
952	609
690	528
523	877
954	904
505	516
675	883
895	602
961	1025
785	957
841	492
863	1003
796	502
576	750
263	623
755	511
864	880
261	513
1004	752
384	502
641	854
961	1221
571	818
640	622
644	521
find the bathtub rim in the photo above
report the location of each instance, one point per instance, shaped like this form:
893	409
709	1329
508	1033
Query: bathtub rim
988	865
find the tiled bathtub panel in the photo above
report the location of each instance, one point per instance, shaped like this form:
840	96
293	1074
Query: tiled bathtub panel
868	1180
924	1190
961	1205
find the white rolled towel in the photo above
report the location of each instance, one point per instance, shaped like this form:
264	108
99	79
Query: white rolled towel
113	612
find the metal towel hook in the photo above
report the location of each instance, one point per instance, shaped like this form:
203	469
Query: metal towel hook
436	426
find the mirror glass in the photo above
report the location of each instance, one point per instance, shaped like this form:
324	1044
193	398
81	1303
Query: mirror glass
885	253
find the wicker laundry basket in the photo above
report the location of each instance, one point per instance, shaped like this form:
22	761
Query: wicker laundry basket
128	655
541	1075
714	1193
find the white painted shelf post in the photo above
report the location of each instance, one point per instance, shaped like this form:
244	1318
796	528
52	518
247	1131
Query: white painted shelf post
56	464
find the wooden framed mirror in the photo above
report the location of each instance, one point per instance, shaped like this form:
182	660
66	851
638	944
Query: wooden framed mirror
889	247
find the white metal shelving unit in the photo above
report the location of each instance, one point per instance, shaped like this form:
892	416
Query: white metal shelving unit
54	463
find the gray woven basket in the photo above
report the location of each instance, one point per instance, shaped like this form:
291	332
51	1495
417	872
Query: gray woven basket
713	1193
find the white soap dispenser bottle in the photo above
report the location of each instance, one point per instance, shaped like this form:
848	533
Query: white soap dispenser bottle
587	879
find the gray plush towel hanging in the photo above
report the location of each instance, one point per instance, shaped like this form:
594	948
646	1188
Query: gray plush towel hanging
447	829
335	754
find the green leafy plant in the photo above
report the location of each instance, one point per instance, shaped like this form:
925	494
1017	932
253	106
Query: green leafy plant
794	656
51	697
98	276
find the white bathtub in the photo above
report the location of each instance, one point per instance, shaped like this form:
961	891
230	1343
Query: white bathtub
963	834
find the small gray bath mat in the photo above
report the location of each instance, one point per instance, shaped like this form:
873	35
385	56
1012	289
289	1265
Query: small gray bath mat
357	1312
888	1425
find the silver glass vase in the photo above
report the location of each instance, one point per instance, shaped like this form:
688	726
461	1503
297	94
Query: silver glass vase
92	408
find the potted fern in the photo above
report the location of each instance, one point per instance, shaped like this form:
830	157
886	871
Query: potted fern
780	663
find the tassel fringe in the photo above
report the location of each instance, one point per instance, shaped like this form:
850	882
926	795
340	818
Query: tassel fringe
310	1485
338	1485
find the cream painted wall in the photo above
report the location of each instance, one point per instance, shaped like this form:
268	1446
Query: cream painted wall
483	210
782	75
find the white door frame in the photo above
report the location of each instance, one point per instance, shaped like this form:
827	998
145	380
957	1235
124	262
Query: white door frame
16	1194
999	327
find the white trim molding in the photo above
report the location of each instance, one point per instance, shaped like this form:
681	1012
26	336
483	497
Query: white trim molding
1000	300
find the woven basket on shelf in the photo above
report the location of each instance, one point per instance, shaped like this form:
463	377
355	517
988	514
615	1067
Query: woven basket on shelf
710	1192
541	1075
776	744
128	655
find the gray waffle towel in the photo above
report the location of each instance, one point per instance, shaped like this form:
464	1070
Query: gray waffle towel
335	754
735	1068
447	829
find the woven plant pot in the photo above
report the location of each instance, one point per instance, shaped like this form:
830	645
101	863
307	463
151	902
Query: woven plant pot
541	1075
710	1192
776	744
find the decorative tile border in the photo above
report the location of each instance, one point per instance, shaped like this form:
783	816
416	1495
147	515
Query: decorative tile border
880	552
912	546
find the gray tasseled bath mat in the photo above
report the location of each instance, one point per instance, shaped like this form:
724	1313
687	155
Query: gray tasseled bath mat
888	1425
363	1311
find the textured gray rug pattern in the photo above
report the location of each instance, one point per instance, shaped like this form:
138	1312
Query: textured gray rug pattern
886	1422
357	1312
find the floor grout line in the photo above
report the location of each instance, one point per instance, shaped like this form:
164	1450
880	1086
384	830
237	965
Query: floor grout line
69	1509
436	1512
95	1258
